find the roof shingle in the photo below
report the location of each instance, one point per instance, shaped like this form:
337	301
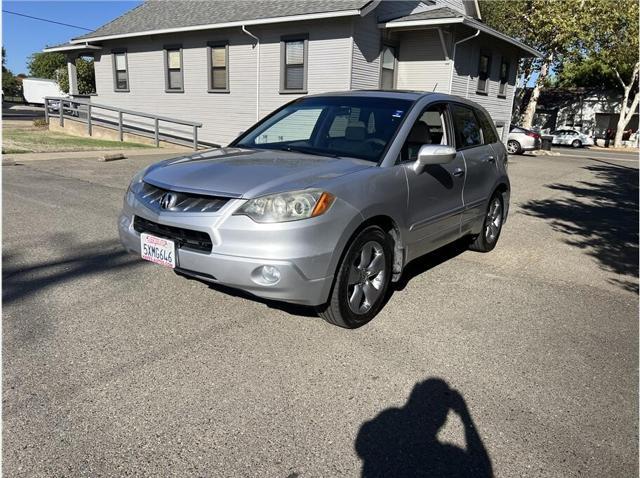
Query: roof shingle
436	13
161	15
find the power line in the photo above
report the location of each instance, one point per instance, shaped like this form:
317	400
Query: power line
49	21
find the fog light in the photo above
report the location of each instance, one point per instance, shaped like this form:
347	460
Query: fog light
270	274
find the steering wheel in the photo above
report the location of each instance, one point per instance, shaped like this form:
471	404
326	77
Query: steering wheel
375	144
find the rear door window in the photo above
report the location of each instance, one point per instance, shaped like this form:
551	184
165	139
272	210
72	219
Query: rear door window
466	127
488	134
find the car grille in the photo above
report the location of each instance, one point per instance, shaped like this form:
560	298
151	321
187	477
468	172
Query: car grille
184	202
184	238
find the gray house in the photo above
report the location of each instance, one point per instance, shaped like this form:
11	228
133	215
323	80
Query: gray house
229	63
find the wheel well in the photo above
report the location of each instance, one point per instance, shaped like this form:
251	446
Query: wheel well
502	188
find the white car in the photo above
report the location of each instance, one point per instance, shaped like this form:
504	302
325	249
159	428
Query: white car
521	140
570	137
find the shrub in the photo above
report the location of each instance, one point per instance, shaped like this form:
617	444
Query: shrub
39	122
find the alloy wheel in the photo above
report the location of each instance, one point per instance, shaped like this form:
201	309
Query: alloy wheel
366	277
494	220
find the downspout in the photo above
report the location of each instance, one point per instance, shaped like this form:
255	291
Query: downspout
453	57
257	70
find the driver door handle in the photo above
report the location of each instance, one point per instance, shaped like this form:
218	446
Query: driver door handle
491	159
458	172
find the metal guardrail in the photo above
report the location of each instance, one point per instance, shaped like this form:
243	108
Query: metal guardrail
71	107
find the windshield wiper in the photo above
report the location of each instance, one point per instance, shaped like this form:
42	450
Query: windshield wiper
313	152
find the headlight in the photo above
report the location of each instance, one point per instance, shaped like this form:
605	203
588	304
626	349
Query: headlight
287	206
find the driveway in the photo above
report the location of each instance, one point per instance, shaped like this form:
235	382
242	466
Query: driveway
16	111
520	362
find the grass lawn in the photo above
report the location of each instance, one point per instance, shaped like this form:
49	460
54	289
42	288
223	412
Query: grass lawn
24	137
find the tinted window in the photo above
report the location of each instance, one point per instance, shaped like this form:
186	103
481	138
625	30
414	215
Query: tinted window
488	134
357	127
466	126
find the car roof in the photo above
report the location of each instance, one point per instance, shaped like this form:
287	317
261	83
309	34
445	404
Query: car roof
411	95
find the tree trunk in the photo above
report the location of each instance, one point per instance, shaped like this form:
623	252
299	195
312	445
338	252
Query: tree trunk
527	121
626	110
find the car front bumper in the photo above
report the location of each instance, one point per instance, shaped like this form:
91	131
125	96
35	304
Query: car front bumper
302	251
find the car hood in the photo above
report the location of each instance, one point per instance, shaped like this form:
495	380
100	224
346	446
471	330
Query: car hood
248	173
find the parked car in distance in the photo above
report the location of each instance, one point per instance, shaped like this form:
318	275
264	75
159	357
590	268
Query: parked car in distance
326	200
521	139
570	137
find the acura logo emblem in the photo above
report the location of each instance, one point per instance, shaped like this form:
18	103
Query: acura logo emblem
168	200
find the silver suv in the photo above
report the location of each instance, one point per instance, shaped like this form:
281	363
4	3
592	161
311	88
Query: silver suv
326	200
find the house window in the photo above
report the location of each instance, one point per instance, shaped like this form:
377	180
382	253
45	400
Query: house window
219	67
387	76
120	71
173	69
483	73
504	78
293	60
571	119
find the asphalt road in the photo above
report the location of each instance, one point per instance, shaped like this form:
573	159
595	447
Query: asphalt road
115	367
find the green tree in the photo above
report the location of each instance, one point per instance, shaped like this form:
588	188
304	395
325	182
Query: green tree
10	85
551	27
611	38
588	73
86	77
54	66
46	64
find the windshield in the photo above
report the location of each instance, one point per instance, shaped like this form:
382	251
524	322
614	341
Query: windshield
359	127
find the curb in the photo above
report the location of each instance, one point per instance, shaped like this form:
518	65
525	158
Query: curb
542	152
95	154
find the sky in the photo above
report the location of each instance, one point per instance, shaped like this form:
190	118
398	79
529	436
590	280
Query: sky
23	36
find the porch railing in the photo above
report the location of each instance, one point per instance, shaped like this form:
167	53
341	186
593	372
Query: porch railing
88	113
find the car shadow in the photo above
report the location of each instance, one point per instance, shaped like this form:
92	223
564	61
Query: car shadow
403	442
598	216
411	270
293	309
427	262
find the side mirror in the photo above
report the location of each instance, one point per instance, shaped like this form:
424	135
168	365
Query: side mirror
433	154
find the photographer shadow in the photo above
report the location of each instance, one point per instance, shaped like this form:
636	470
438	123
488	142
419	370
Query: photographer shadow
403	442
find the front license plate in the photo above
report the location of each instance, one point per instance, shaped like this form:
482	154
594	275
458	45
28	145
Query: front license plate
158	250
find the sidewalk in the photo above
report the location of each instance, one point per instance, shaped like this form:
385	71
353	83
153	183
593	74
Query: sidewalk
628	149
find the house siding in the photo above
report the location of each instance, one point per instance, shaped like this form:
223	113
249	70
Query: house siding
421	62
223	115
367	41
465	78
329	60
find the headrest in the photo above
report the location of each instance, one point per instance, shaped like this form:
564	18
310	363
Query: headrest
419	133
356	131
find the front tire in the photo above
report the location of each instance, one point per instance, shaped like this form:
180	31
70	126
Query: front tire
513	147
492	226
576	143
362	280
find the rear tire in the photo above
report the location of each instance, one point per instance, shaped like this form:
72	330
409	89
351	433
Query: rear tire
361	283
513	147
492	226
